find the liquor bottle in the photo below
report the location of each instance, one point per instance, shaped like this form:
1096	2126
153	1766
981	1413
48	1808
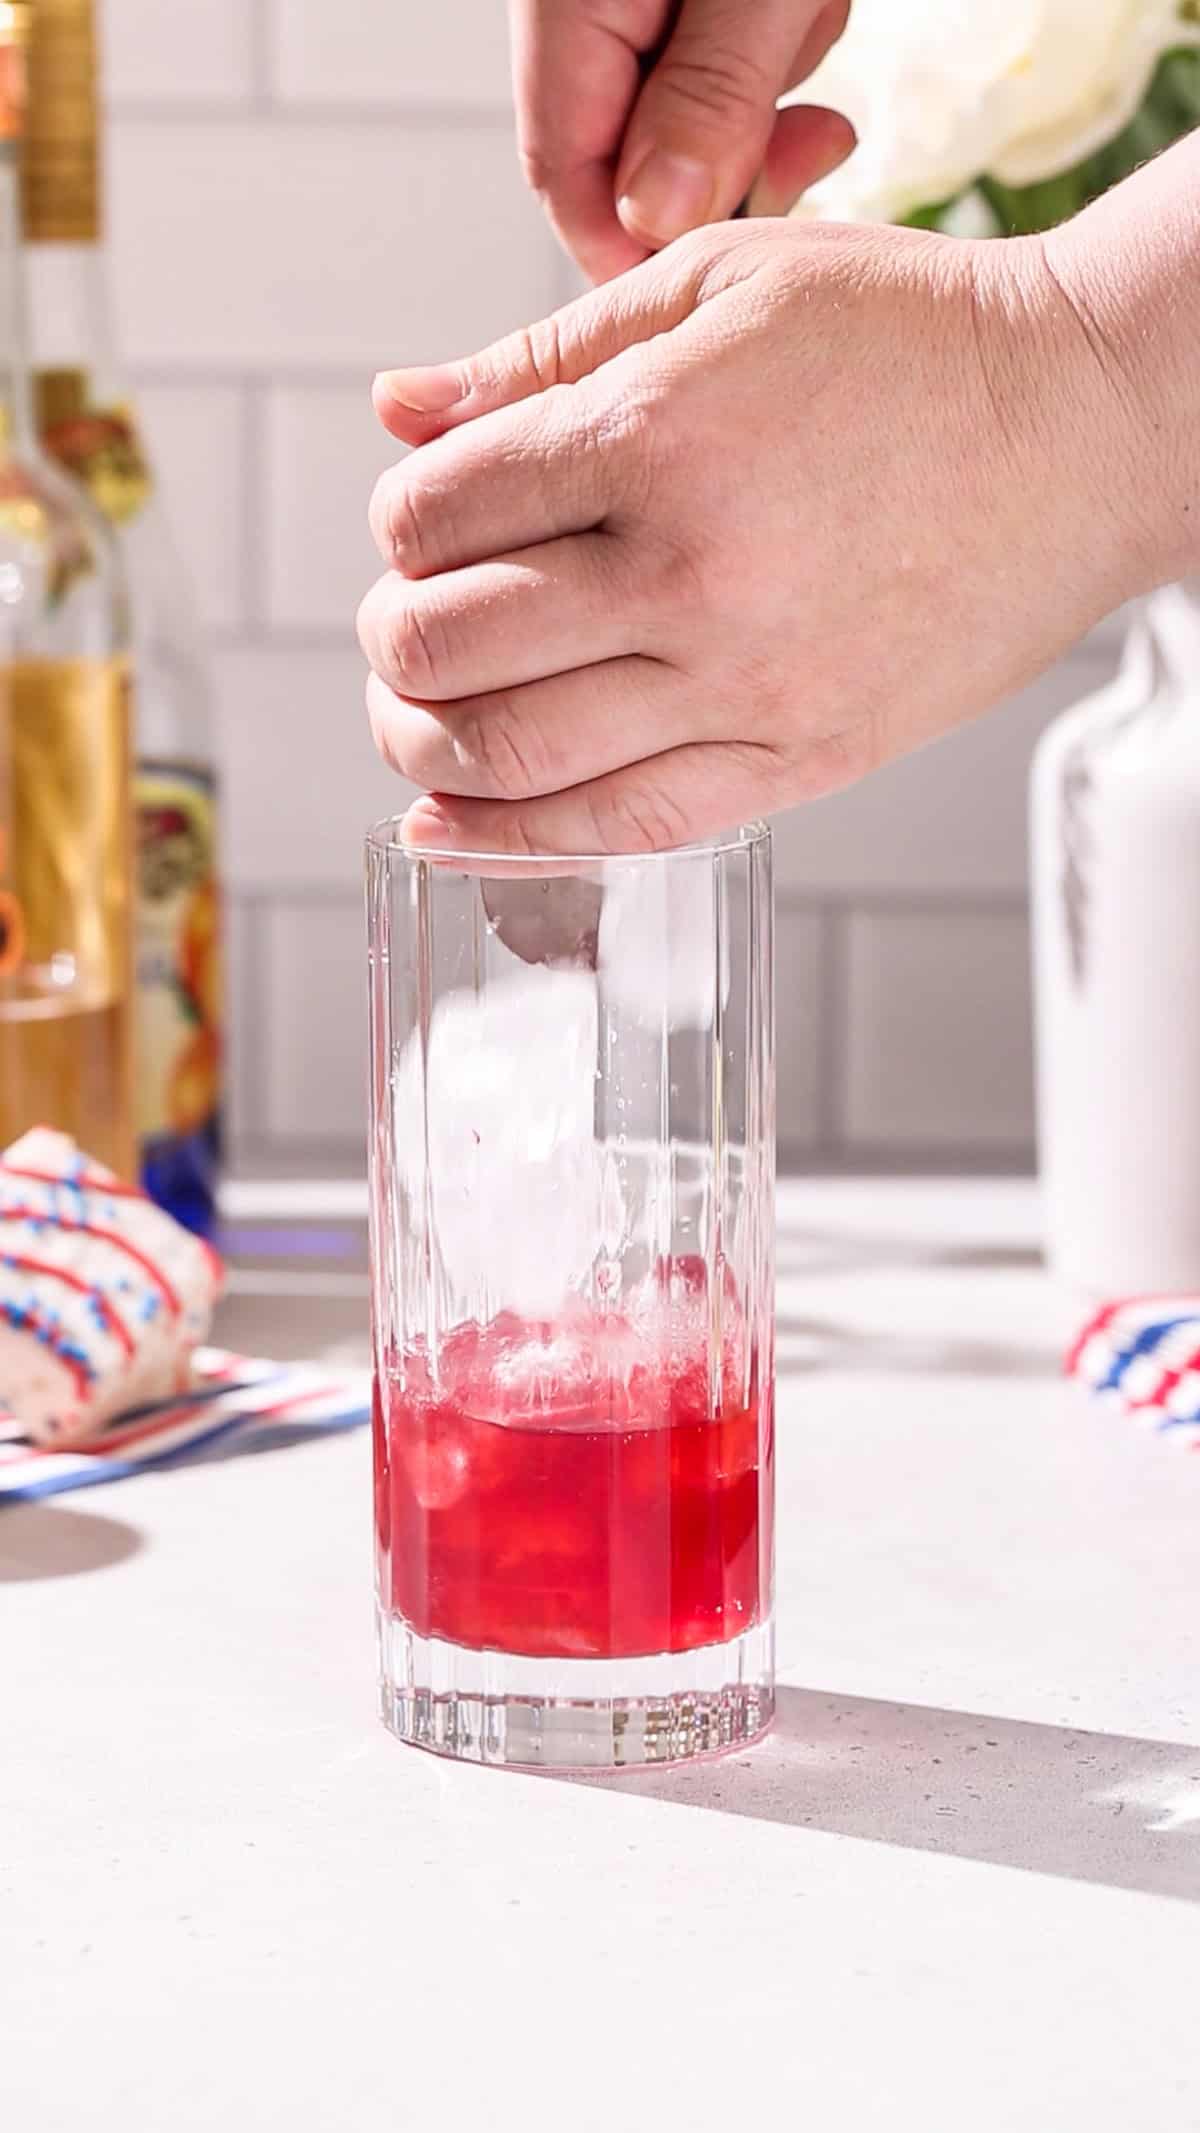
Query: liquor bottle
88	424
66	846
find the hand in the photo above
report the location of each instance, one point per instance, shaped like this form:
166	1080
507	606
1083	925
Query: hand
786	501
603	89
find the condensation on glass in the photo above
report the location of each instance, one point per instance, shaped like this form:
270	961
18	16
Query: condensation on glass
572	1148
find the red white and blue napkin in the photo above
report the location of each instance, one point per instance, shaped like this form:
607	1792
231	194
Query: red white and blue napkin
1141	1356
235	1403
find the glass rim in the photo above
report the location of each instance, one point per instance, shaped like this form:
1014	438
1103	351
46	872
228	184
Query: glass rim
385	840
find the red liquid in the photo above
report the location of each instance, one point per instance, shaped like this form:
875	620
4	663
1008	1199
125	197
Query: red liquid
556	1497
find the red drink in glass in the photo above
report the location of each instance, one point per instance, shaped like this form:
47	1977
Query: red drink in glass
572	1292
573	1491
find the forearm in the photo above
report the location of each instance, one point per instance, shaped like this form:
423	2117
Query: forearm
1130	268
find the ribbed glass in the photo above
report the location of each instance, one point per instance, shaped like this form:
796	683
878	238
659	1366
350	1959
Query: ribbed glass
572	1146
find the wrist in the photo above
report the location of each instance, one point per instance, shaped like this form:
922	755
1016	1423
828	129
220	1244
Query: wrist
1124	278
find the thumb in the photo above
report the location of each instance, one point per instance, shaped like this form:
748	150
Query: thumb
699	131
419	404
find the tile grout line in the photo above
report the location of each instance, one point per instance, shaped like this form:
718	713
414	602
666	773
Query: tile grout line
953	900
261	45
298	895
262	104
255	515
247	1008
214	377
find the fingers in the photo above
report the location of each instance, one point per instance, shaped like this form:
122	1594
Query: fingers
699	130
516	745
651	806
807	143
575	79
821	36
587	129
419	404
511	480
499	624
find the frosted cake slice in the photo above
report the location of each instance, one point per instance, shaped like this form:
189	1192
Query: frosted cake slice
103	1296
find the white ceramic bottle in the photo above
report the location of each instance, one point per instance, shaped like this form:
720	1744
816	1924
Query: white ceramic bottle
1116	926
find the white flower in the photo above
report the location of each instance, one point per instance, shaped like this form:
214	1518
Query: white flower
944	90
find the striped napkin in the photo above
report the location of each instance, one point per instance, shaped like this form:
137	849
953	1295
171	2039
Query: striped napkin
236	1403
1141	1356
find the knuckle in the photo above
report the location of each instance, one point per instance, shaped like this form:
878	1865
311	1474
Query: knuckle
500	747
418	655
638	817
629	427
532	355
542	348
405	644
397	516
629	420
715	81
406	530
513	835
538	167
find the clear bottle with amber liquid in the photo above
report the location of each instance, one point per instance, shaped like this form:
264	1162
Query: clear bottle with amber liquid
86	421
66	844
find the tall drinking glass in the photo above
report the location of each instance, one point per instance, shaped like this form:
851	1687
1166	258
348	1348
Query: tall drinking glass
572	1156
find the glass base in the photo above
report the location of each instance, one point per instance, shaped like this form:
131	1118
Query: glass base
575	1714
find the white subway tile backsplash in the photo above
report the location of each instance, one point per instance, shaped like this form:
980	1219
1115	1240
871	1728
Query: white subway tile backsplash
390	52
937	1035
324	448
301	777
148	52
243	1122
799	1034
196	439
312	246
949	818
312	1026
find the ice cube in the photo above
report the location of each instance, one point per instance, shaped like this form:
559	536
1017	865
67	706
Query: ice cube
574	1373
657	948
431	1444
505	1094
676	1324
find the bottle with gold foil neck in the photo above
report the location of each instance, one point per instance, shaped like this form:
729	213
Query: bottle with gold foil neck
87	421
66	849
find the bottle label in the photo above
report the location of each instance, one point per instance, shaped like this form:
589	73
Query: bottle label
179	984
100	446
66	874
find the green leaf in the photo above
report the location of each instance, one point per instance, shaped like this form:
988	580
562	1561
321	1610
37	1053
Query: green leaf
928	218
1020	209
1171	109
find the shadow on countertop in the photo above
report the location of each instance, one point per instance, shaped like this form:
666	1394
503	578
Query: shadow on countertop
814	1251
44	1540
829	1346
1049	1799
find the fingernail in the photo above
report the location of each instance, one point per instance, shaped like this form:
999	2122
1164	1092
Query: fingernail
427	824
666	195
428	391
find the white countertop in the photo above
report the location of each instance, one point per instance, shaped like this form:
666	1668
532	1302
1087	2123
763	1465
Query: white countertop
956	1890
